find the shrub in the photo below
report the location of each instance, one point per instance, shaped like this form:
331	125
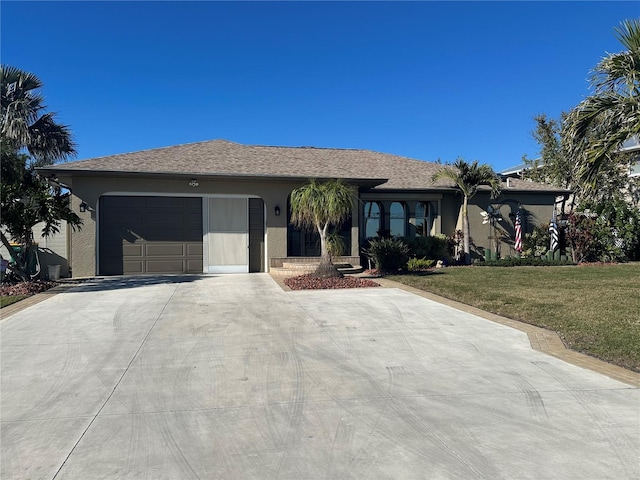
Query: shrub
428	246
609	232
388	254
536	243
418	264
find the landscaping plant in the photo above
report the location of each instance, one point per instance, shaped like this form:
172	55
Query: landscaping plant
388	254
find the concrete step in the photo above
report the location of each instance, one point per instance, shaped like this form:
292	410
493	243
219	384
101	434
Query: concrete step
295	269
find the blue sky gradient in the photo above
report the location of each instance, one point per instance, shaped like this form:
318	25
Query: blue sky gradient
427	80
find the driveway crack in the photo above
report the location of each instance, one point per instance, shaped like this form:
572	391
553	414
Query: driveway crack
126	370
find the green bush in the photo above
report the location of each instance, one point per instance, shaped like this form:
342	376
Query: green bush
609	232
388	254
428	247
536	243
418	264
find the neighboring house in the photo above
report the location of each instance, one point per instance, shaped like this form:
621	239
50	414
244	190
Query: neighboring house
632	169
53	250
219	206
633	146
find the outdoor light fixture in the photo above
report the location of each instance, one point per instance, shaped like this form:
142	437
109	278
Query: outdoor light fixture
193	183
83	207
277	210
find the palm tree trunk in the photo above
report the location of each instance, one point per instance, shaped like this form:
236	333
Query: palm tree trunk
465	231
326	269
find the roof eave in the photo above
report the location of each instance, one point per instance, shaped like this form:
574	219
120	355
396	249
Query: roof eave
67	172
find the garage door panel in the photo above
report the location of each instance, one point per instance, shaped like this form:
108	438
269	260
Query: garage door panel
126	202
194	266
164	249
132	250
131	267
172	234
164	217
117	216
164	266
150	235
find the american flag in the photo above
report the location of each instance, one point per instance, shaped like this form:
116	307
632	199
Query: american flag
553	231
518	245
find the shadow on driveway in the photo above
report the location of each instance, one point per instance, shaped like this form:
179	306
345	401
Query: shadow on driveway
124	282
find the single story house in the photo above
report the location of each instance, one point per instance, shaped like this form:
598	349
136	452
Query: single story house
218	206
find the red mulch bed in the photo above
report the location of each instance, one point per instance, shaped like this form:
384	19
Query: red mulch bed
25	288
309	282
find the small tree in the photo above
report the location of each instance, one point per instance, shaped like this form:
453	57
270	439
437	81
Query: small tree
467	177
320	205
558	166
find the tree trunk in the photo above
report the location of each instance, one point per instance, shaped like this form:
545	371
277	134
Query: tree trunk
465	232
326	269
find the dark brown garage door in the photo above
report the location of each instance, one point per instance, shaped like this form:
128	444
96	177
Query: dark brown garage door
150	235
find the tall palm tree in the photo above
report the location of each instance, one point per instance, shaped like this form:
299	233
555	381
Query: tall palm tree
319	205
26	199
596	128
467	177
24	124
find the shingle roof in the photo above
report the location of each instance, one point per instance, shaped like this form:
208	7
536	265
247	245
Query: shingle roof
224	158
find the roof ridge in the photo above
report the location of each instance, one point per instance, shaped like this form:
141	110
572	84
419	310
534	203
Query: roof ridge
307	147
221	140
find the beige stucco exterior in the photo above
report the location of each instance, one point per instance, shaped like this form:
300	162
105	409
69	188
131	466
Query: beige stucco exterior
274	193
444	209
537	210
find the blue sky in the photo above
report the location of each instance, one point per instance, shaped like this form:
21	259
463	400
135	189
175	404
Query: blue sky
427	80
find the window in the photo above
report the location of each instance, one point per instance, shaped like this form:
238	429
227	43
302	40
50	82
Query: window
371	219
397	220
421	220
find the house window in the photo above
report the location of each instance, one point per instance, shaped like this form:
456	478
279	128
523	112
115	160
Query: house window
371	219
421	220
397	219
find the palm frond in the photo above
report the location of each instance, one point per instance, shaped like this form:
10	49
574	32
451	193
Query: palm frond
628	33
23	121
318	203
469	176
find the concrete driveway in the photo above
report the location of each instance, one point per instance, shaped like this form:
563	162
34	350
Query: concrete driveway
229	377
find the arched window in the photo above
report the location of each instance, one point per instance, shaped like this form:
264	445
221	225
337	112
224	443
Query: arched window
371	219
421	220
397	220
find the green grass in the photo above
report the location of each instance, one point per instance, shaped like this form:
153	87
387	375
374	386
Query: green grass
594	308
9	299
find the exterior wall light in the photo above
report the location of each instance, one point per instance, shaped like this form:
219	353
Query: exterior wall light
193	183
277	210
84	207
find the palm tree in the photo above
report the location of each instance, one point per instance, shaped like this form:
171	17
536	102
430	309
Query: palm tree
319	205
24	124
25	198
596	128
467	177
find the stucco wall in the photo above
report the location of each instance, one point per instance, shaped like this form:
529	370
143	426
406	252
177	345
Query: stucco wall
446	208
537	210
89	190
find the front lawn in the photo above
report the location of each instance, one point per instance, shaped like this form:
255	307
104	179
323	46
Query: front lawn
594	308
10	299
